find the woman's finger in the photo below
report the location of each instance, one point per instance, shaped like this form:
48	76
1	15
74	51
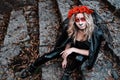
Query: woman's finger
64	55
62	52
64	64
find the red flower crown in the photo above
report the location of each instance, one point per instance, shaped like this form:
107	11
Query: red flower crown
79	9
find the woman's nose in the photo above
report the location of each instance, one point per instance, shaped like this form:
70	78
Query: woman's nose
81	24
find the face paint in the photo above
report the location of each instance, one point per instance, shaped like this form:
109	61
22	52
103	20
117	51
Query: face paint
80	21
80	24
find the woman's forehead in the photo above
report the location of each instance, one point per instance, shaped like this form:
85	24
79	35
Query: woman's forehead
79	15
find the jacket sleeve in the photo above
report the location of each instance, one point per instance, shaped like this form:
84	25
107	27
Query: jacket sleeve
102	24
100	33
95	43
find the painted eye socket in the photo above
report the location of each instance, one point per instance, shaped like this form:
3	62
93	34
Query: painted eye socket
83	19
78	19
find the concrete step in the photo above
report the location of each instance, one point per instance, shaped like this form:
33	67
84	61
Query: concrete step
16	33
100	8
115	3
49	23
64	6
114	6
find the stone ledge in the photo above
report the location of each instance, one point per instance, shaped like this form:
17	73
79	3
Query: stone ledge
114	6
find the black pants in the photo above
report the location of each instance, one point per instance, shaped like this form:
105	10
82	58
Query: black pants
46	57
77	59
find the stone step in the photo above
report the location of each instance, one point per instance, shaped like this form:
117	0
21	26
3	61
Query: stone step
114	6
100	8
52	71
49	23
48	27
16	33
64	6
17	29
115	3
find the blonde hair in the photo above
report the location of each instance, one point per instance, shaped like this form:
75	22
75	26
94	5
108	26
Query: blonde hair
72	31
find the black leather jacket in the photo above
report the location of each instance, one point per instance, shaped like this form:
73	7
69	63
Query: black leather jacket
95	42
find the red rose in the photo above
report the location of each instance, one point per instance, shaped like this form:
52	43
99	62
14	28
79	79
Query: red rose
79	9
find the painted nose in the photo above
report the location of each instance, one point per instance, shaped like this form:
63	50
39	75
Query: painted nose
80	24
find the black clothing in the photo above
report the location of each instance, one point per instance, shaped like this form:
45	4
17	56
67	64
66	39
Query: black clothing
81	44
77	60
100	33
93	45
56	52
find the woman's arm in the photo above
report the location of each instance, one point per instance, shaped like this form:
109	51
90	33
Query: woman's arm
67	46
81	51
64	62
68	51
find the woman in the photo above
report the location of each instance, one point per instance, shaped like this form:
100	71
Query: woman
80	40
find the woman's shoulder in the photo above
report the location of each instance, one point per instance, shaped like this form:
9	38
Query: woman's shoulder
98	31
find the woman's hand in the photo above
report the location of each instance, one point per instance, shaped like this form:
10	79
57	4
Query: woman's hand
64	63
66	52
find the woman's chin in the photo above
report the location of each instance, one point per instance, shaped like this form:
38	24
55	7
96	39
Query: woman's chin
82	28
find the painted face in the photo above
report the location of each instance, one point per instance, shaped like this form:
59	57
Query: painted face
80	21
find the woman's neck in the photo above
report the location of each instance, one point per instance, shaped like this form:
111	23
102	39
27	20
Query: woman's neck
81	36
81	32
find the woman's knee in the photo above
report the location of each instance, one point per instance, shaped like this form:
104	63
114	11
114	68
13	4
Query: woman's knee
79	58
52	55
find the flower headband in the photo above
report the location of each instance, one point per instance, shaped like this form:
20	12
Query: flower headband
79	9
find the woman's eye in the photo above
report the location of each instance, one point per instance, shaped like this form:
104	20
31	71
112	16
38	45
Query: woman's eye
83	19
77	20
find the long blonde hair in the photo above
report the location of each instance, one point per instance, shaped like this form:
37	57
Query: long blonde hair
72	31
